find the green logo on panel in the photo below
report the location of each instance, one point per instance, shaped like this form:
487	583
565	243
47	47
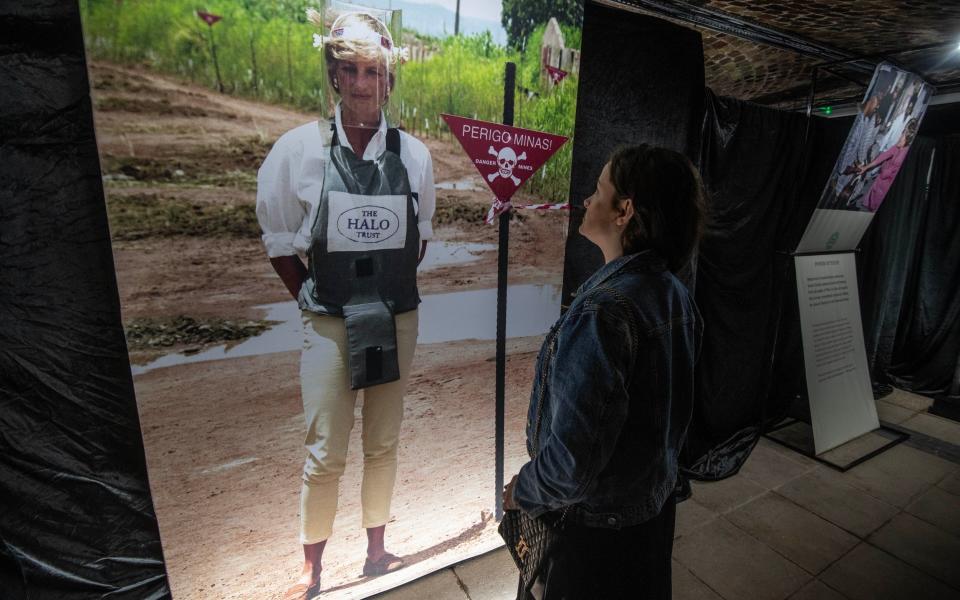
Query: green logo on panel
833	239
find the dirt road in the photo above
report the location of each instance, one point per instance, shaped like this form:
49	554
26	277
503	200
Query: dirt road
223	438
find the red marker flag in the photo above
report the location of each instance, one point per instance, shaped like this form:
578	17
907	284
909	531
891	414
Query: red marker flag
208	18
505	156
556	75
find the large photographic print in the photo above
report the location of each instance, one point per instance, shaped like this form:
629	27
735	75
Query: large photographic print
887	120
221	128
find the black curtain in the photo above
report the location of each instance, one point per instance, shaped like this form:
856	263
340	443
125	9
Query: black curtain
76	518
788	395
751	158
911	272
763	186
764	170
891	243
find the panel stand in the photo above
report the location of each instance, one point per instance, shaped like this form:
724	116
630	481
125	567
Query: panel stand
843	423
798	436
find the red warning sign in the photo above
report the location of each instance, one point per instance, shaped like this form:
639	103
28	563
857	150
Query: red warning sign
505	156
556	75
208	18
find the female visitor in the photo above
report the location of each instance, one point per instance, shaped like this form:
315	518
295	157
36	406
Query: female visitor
613	390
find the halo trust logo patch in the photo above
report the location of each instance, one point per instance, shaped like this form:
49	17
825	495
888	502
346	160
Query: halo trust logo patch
361	223
368	224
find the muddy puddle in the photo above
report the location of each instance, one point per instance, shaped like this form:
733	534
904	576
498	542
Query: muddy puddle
440	254
531	310
466	184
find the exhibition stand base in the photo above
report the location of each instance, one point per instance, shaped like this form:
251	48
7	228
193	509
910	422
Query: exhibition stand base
798	436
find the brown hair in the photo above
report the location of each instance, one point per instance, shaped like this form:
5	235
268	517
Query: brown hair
668	201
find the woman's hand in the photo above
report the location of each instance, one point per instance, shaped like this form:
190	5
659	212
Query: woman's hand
508	503
291	271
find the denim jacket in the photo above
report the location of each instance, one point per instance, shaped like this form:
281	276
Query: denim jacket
612	397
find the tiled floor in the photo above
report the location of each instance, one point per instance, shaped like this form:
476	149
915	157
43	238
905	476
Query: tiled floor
787	527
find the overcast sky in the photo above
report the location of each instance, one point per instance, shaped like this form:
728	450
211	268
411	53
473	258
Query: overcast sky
484	9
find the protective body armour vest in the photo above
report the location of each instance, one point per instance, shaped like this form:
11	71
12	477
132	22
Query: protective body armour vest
362	261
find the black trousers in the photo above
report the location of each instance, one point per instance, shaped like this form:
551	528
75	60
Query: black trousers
592	563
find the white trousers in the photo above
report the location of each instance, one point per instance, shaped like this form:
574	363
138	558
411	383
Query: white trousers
329	407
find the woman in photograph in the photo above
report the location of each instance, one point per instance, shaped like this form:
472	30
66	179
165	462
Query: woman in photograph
356	198
613	390
888	164
846	185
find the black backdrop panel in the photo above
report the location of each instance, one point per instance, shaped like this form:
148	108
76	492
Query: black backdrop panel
641	80
926	330
77	518
751	158
824	140
889	253
764	170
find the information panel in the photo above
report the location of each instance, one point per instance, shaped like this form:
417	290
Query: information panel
838	379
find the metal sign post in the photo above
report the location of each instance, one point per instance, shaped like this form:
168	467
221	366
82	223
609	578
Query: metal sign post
509	84
521	153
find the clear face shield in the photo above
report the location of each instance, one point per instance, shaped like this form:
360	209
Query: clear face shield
361	54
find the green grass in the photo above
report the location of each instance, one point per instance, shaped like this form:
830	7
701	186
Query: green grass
264	51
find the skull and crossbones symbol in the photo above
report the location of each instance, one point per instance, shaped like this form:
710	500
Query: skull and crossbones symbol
507	161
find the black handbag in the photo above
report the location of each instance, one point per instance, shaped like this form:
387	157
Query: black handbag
531	540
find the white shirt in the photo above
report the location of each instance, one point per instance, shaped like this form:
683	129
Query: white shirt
290	180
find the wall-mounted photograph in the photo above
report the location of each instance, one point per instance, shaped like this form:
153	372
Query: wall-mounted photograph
308	275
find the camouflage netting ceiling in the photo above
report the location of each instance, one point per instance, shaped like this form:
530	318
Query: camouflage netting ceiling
765	51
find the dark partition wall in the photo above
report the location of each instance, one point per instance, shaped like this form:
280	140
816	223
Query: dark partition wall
910	272
764	170
751	158
641	80
76	518
891	243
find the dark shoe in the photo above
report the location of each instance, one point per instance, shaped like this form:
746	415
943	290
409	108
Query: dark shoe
388	563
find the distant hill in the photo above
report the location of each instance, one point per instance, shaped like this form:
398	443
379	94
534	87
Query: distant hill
431	19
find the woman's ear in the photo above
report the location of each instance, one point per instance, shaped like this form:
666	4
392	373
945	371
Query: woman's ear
626	211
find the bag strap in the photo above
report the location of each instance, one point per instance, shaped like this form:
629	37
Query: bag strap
393	140
543	384
536	432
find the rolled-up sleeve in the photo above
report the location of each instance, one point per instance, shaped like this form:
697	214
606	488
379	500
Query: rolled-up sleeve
279	210
428	200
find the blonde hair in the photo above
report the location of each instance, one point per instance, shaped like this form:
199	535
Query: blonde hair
355	36
358	36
